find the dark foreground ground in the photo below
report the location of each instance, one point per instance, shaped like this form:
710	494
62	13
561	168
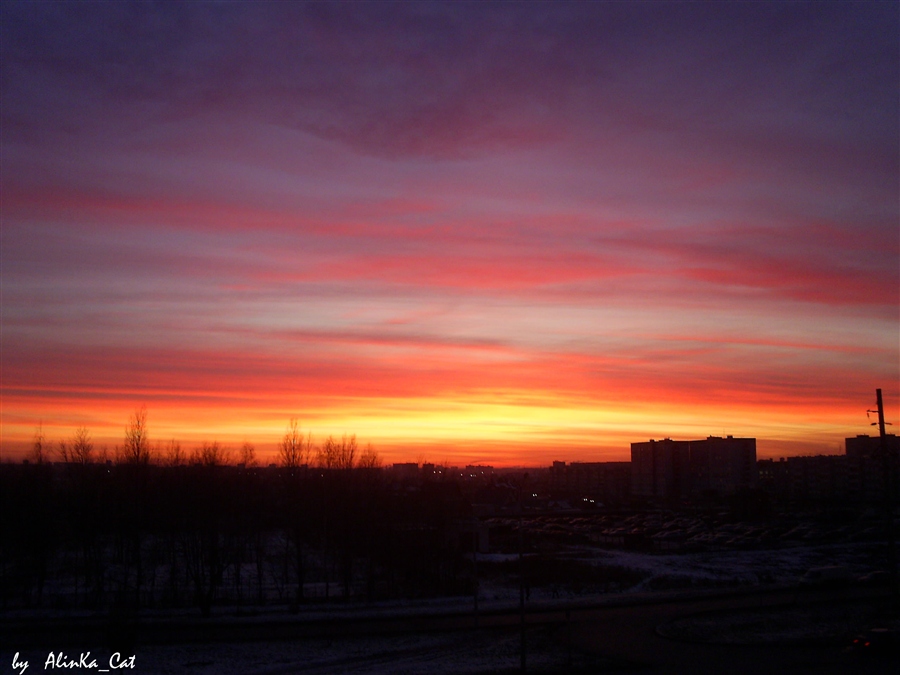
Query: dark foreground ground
776	631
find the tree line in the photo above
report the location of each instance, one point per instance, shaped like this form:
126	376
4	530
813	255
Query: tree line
175	531
294	450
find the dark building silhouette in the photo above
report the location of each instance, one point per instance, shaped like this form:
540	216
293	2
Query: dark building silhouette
660	469
857	475
820	477
607	482
405	471
866	465
670	469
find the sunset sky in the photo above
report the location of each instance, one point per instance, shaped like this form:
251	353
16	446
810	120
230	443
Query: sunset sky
500	233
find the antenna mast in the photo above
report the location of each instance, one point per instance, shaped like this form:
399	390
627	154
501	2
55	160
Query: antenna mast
887	466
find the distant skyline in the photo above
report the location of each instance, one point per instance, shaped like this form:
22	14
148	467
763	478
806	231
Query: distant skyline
506	233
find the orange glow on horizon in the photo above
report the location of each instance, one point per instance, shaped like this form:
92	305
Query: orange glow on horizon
501	428
559	246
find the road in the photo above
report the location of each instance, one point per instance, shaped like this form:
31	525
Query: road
618	636
629	637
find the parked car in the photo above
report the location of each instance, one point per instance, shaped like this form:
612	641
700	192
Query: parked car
877	640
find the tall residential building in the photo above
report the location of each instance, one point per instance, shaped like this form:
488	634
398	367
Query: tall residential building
670	469
723	465
606	481
866	478
660	469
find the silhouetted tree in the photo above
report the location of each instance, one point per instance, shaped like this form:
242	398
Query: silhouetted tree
349	450
62	449
215	531
84	494
137	443
174	455
369	459
124	533
82	448
294	453
211	454
135	506
294	450
248	454
38	447
326	455
334	455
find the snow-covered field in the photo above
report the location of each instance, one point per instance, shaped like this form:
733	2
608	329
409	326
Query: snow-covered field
714	569
498	650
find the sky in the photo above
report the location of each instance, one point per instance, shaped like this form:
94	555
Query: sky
497	233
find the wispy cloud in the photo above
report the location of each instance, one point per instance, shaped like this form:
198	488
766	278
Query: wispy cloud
398	213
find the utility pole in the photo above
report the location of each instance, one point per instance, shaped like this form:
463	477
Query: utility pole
476	539
887	465
522	645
